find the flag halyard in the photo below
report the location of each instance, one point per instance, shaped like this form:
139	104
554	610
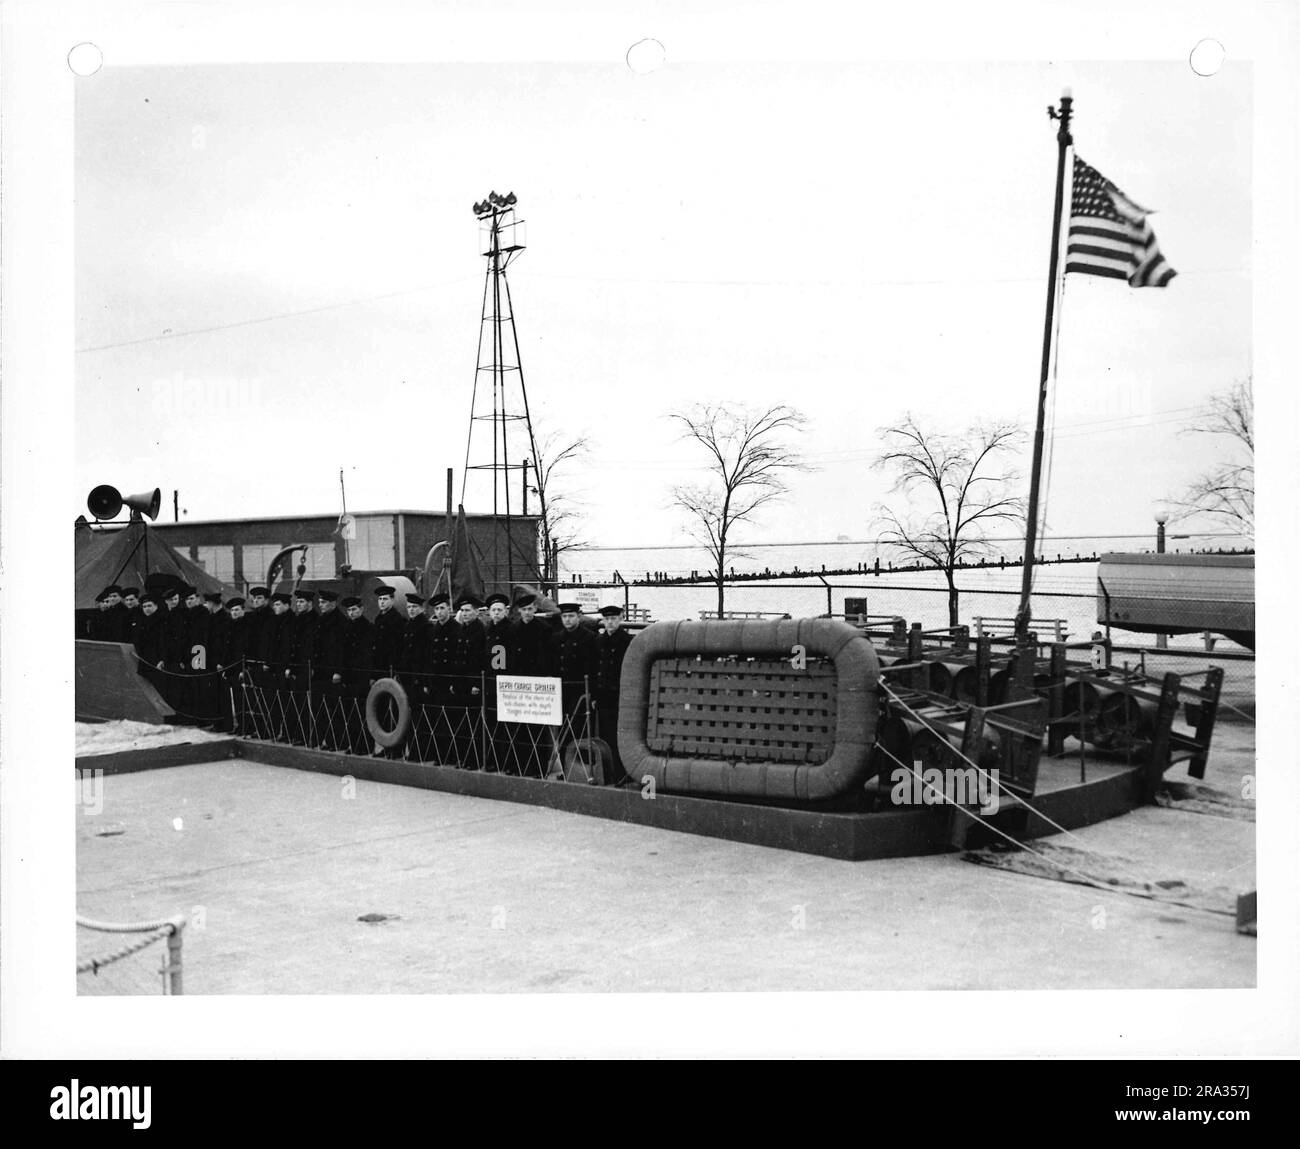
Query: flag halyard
1110	235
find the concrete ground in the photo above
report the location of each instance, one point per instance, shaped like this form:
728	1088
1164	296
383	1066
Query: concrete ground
279	866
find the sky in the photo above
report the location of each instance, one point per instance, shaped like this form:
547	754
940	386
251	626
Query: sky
278	275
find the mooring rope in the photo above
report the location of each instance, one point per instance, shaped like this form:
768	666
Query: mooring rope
980	771
1082	878
1237	710
186	674
977	767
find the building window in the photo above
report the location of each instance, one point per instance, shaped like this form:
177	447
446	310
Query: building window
374	547
321	563
219	562
255	558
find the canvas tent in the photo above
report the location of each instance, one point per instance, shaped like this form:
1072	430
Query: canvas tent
132	556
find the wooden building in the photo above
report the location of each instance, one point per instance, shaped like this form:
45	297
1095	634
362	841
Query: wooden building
238	551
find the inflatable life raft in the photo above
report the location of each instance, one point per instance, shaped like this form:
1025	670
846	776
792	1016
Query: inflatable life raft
777	709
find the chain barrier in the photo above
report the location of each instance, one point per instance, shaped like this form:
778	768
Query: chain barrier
169	929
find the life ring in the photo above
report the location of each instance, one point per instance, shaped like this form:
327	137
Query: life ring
589	760
397	735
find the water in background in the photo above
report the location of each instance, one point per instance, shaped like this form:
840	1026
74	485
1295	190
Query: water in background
601	564
1067	591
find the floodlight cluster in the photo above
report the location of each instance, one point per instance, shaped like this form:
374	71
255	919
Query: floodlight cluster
494	203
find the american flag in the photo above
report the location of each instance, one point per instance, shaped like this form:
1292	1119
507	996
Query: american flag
1109	233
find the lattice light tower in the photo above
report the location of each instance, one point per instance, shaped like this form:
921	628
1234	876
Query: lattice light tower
500	402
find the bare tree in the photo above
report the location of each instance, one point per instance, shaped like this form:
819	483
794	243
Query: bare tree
556	455
955	488
748	458
1227	491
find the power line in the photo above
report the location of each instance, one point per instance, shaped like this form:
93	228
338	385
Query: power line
841	283
270	318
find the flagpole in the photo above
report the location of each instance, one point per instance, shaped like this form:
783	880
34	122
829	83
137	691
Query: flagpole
1064	141
347	550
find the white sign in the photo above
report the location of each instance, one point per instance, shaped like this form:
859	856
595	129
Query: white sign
587	598
535	700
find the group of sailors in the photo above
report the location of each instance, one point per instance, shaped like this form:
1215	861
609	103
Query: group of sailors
205	656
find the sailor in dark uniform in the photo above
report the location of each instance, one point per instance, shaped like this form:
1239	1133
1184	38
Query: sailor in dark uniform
197	621
101	622
176	646
256	614
119	618
218	626
173	640
211	696
413	653
197	626
131	605
274	629
530	656
530	640
327	663
273	663
147	638
500	634
466	650
356	674
261	679
300	653
442	635
498	642
389	626
611	645
234	674
573	652
414	663
468	645
386	646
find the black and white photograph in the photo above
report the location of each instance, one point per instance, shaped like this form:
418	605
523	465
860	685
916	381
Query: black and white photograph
658	532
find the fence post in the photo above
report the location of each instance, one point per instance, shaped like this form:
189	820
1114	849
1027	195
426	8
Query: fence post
482	719
920	675
173	975
1056	700
586	708
983	667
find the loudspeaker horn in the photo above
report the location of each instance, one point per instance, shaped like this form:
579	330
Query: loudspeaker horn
105	502
146	502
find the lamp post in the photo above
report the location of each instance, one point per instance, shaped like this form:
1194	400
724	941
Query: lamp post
1162	517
